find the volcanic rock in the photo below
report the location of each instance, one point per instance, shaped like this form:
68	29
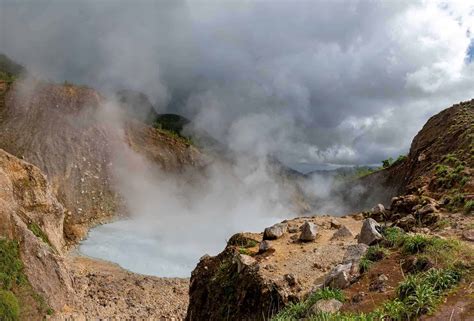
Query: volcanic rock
275	231
369	233
308	232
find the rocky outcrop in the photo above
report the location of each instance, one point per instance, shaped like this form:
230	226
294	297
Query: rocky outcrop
257	284
31	215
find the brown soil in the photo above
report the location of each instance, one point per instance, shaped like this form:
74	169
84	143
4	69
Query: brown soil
459	306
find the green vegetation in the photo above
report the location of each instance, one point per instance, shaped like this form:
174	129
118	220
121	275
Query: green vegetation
13	281
373	254
9	70
298	310
469	207
38	232
450	172
11	274
9	306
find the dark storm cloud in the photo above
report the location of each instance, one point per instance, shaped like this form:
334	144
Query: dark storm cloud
313	81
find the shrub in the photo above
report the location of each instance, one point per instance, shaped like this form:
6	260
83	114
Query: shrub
415	244
469	207
11	267
9	307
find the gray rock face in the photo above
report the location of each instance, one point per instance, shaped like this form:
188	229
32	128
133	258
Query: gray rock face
308	232
275	231
369	234
341	233
355	252
328	306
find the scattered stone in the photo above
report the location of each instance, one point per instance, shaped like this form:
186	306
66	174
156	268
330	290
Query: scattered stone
428	208
406	223
404	204
359	297
265	246
308	232
355	252
326	306
275	231
335	224
290	279
369	233
341	233
379	284
468	235
378	209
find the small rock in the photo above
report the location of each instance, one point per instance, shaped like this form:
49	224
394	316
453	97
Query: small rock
355	252
468	235
428	208
339	277
290	279
359	297
293	229
326	306
335	224
275	231
369	233
308	232
343	232
378	209
379	284
407	223
265	246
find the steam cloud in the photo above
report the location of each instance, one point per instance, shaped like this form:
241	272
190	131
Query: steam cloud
325	81
310	82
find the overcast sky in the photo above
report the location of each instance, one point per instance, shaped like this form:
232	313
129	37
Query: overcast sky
346	82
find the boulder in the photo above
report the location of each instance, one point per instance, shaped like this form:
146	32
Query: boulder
341	233
265	246
378	209
355	252
370	232
275	231
405	203
407	223
339	277
468	235
326	306
308	232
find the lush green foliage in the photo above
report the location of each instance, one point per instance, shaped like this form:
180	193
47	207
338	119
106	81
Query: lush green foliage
11	267
9	306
